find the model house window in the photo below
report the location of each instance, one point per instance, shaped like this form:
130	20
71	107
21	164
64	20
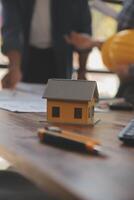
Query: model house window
78	113
55	111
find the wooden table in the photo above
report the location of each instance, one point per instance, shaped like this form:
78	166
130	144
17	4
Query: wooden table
71	175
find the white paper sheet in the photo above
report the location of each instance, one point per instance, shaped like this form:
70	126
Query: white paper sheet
17	101
17	95
24	106
31	88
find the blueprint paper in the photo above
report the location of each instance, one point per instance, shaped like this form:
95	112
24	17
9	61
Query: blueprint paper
17	101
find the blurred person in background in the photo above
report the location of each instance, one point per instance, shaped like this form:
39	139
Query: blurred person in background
126	73
83	44
125	20
34	38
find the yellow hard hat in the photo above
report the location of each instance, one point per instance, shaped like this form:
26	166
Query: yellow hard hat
119	50
105	52
122	47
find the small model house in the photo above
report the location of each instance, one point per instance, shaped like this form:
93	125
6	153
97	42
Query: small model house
71	101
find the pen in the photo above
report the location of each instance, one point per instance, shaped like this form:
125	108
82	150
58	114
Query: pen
68	139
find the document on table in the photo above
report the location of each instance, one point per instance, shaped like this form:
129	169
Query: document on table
31	88
16	101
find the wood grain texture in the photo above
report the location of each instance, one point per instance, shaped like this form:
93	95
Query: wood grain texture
66	174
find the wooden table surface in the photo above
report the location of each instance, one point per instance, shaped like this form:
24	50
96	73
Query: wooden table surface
66	174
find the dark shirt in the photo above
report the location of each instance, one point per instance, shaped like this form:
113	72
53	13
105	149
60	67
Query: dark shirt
126	21
126	16
66	16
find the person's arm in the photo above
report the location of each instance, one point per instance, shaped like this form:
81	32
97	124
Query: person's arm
83	56
125	71
82	41
104	8
126	16
12	42
82	37
14	74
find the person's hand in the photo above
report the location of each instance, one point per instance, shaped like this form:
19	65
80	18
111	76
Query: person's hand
81	40
98	43
12	78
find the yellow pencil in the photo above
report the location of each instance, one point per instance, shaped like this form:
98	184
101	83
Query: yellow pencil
67	139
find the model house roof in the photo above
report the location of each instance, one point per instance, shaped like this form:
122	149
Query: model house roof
71	90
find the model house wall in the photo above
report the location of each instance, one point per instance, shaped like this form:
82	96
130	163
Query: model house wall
70	112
